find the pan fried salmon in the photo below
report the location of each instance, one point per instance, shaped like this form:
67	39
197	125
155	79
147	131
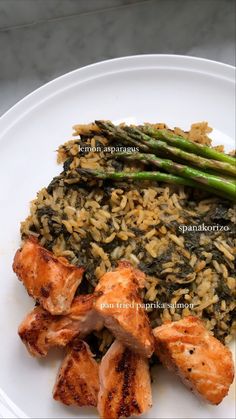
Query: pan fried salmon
203	363
77	383
120	304
40	330
50	280
125	385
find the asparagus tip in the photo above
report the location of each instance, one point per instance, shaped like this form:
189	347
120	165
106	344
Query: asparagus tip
85	172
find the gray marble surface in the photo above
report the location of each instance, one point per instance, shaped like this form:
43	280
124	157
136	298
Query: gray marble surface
42	39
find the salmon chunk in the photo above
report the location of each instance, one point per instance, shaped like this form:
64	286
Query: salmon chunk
125	385
120	304
203	363
52	281
41	330
77	383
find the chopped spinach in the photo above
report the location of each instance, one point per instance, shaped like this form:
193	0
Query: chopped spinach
223	291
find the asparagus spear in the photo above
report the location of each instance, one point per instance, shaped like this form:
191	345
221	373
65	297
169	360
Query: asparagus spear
184	144
146	143
216	182
206	164
154	176
158	176
113	132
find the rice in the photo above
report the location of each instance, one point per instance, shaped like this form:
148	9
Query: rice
96	223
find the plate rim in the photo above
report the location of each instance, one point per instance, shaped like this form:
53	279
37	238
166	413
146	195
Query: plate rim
101	68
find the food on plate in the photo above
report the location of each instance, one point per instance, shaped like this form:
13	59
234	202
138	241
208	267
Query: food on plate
150	138
190	145
41	330
226	189
216	182
52	281
119	303
203	363
132	247
125	384
77	383
181	237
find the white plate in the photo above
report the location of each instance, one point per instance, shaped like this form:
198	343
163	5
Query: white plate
174	89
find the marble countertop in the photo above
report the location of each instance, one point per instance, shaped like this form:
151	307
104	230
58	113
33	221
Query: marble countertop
40	40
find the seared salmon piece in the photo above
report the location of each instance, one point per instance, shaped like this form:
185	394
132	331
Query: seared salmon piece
52	281
203	363
125	385
41	330
77	383
120	304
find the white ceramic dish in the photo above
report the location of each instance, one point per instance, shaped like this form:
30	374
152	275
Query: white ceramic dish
173	89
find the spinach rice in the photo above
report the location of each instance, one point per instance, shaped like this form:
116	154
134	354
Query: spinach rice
95	223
